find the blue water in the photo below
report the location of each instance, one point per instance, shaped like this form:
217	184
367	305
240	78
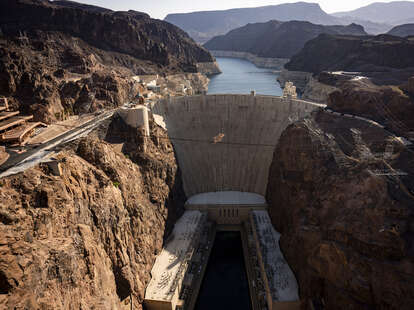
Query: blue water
241	76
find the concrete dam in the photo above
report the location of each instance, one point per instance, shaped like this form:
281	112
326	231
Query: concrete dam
224	146
226	142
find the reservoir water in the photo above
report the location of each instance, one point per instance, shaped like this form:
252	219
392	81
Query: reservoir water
225	283
241	76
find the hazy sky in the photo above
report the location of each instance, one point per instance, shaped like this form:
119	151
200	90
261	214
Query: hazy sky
160	8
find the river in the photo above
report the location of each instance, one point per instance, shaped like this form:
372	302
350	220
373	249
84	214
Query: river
241	77
225	285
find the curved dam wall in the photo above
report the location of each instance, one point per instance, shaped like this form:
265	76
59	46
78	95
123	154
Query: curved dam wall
226	142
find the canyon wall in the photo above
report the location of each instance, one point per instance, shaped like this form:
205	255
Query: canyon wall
131	33
208	68
261	62
307	85
391	106
226	142
341	193
87	236
62	58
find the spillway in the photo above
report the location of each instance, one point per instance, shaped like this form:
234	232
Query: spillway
226	142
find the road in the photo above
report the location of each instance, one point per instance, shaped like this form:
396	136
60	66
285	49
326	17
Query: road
36	154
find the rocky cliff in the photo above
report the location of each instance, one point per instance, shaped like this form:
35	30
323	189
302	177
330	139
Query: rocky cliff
87	237
56	75
341	192
276	39
60	58
381	53
132	33
310	87
391	106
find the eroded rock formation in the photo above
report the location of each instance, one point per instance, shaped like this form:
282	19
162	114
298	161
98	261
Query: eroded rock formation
88	238
62	58
391	106
341	193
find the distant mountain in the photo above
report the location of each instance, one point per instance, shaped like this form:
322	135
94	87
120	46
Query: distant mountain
203	26
402	30
352	53
406	21
369	26
390	13
276	39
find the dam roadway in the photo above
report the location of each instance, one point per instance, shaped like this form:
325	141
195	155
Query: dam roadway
226	142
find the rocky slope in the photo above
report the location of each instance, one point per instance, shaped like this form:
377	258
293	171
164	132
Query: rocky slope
276	39
203	26
347	231
61	58
56	75
381	53
391	106
402	30
87	239
132	33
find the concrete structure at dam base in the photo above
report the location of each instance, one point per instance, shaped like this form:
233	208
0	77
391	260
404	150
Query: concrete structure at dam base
227	208
179	269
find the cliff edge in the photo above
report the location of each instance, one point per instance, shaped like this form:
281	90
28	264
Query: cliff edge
86	236
341	193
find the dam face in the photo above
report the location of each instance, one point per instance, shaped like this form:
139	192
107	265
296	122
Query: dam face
226	142
224	146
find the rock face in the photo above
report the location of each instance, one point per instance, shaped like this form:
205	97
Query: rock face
389	105
132	33
347	231
310	87
382	53
202	26
88	238
402	30
56	75
276	39
62	58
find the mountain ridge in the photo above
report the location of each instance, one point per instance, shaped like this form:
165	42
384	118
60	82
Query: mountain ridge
264	39
132	33
402	30
394	12
366	54
204	25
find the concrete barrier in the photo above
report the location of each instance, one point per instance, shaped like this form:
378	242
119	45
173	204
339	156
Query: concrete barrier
136	117
226	142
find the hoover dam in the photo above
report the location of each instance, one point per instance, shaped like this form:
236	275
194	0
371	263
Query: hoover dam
226	142
224	145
